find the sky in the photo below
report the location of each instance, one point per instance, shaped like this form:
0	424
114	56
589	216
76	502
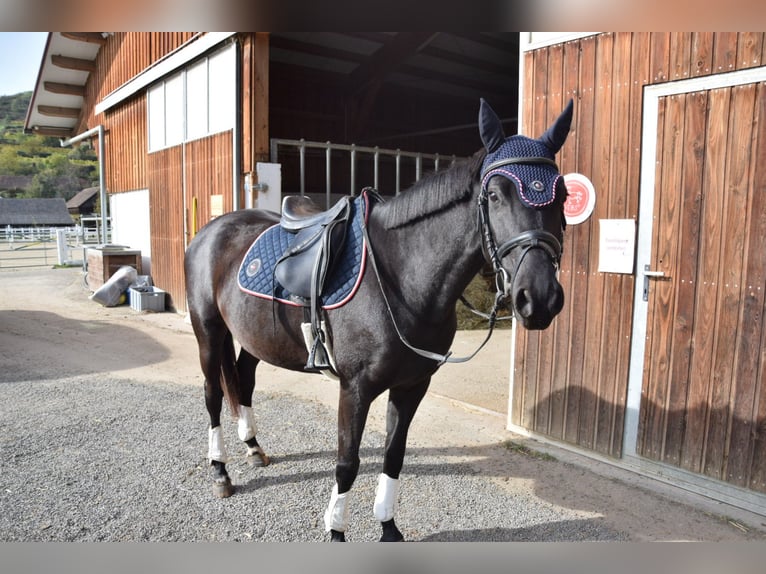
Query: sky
20	57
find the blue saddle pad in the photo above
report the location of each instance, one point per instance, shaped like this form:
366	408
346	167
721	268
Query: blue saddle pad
256	272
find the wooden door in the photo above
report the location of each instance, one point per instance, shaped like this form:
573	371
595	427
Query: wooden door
703	398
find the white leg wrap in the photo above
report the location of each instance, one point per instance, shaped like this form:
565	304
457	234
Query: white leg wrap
386	498
336	515
246	425
216	450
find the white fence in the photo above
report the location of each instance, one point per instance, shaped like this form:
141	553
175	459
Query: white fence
22	247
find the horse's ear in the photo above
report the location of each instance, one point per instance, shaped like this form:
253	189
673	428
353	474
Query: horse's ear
557	134
490	128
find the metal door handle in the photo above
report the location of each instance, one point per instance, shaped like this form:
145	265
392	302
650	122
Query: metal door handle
647	274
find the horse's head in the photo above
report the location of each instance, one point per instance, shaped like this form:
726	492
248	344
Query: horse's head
521	209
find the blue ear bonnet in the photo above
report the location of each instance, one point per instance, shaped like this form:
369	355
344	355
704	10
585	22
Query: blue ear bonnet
536	181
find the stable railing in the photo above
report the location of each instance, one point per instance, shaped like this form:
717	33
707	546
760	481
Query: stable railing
354	151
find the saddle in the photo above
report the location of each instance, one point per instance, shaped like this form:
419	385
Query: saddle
319	237
303	269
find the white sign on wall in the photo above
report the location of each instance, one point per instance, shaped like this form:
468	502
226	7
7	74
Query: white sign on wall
617	245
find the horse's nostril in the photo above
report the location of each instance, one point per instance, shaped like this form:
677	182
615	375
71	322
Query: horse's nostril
523	303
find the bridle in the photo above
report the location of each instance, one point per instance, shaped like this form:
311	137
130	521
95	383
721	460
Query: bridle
527	240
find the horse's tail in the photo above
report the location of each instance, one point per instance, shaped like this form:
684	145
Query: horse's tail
229	375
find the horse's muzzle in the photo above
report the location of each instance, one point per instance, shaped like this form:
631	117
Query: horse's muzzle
536	307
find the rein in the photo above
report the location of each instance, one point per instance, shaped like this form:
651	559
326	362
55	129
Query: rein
439	358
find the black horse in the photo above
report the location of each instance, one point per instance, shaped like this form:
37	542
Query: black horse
503	206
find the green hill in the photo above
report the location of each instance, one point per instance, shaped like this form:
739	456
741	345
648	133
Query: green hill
37	166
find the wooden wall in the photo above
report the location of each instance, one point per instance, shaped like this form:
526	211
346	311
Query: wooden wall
570	382
125	55
175	177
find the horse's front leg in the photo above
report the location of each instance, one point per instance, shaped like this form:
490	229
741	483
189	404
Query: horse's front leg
352	416
402	404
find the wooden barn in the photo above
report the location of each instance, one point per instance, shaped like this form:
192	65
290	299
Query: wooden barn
185	122
658	361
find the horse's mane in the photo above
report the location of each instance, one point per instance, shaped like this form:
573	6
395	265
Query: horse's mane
433	193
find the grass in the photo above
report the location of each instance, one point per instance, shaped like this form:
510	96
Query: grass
526	451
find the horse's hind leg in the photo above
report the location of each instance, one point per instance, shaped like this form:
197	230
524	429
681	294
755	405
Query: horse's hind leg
246	428
402	404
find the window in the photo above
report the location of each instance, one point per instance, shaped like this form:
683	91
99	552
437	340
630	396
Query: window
194	103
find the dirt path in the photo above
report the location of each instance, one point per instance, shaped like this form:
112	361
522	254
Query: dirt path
48	311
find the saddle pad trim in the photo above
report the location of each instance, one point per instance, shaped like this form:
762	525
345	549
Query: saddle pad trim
336	305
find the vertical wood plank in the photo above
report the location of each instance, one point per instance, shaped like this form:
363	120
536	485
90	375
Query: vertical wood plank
611	344
547	339
601	157
702	53
261	97
703	333
724	52
727	294
685	277
749	49
568	163
680	55
746	305
755	302
580	234
659	56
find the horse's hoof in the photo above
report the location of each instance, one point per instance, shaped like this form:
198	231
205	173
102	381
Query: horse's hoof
223	488
391	532
336	536
258	458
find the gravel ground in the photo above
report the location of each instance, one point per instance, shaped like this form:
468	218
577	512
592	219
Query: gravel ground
112	459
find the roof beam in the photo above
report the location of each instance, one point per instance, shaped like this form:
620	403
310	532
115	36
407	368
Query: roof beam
389	57
316	49
90	37
74	63
62	133
66	89
59	112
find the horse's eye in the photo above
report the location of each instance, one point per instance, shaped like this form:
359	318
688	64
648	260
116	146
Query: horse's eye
492	195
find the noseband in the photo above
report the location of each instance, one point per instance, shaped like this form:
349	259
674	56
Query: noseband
527	240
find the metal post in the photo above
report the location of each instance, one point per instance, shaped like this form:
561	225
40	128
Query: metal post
98	130
302	150
418	166
398	168
328	155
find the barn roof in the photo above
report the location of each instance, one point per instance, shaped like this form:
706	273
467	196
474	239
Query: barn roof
82	197
23	212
